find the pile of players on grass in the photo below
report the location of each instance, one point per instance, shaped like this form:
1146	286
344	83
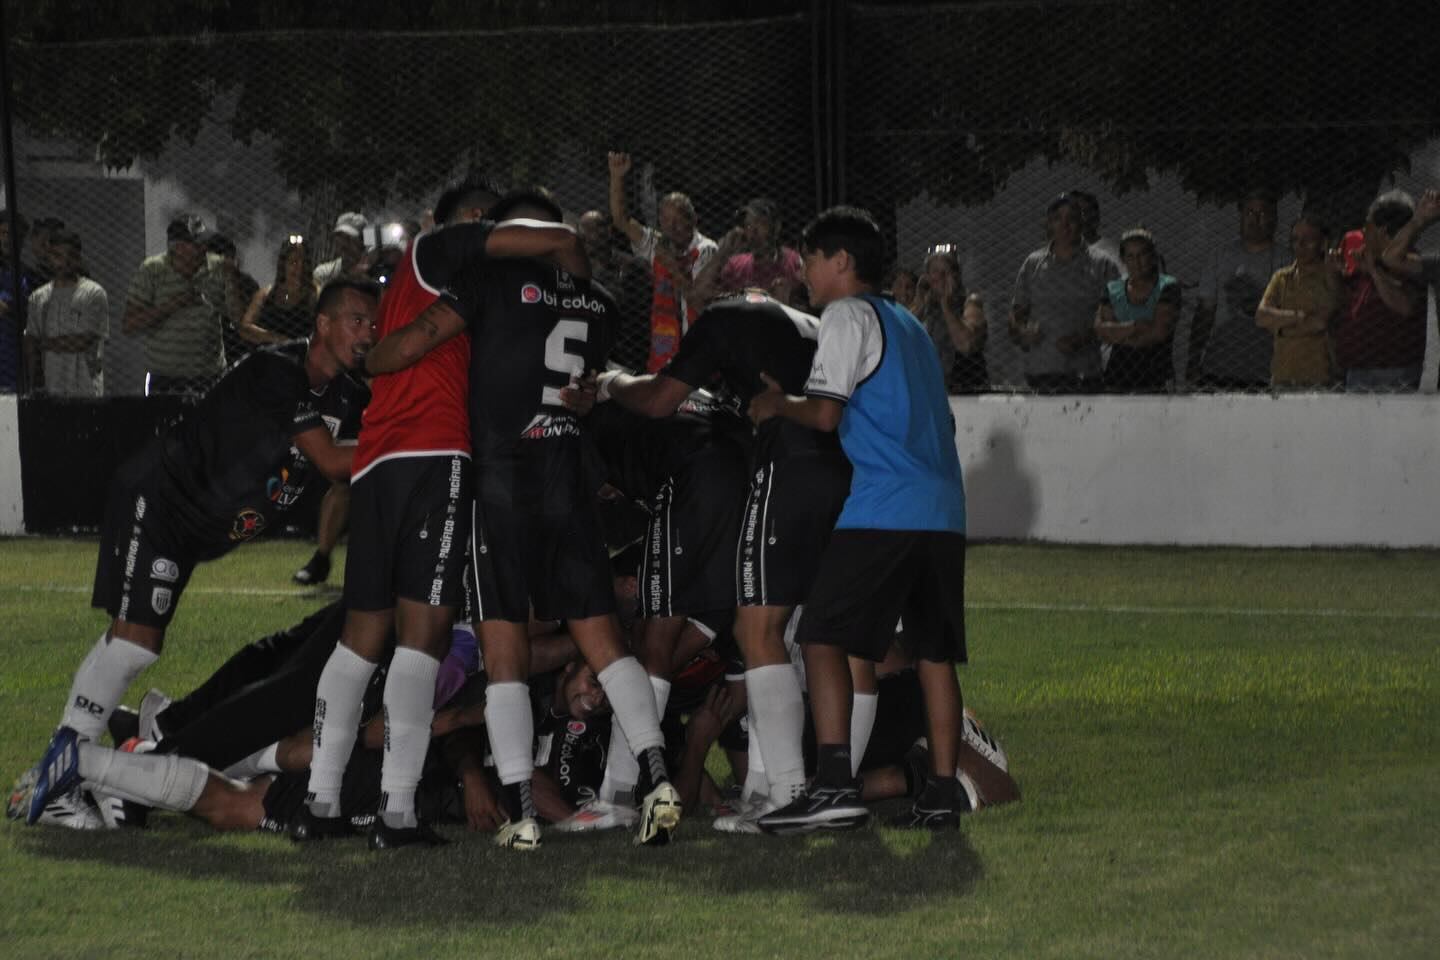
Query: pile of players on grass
565	582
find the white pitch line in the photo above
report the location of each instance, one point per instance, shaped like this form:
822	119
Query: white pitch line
1324	612
1119	609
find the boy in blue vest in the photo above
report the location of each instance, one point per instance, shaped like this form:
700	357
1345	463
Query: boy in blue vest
899	545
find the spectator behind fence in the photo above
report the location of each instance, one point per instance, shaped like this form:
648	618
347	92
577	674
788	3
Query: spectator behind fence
67	324
957	332
178	300
283	310
1052	312
1298	308
677	252
240	290
628	280
11	290
1380	336
1400	256
1090	229
750	255
1227	350
348	241
40	233
1137	319
902	285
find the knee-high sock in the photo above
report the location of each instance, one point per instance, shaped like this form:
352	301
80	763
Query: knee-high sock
512	730
409	707
756	783
633	700
101	680
622	769
338	698
775	701
862	722
157	780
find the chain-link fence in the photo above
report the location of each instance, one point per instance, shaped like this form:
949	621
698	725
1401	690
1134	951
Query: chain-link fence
1246	141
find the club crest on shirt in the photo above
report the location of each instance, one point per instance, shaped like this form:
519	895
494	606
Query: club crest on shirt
160	599
575	727
247	525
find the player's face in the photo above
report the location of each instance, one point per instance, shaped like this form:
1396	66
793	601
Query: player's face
347	329
582	694
822	275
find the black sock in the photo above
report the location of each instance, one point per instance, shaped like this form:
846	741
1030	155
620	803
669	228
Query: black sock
939	793
653	771
519	805
832	765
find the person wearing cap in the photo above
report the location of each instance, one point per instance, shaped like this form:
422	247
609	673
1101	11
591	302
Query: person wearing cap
68	321
178	300
348	239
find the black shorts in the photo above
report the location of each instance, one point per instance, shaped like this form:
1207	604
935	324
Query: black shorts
556	563
409	533
689	561
790	512
870	579
139	574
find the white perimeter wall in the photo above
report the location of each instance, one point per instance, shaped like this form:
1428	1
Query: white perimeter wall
1300	470
12	507
1242	470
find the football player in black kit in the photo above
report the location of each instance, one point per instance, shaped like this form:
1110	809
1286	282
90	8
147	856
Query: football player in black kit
689	471
798	481
535	330
215	480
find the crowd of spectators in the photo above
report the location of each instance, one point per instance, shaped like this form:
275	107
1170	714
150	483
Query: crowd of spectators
1087	313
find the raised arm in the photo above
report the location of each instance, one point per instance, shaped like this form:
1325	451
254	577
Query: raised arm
1399	256
404	347
620	164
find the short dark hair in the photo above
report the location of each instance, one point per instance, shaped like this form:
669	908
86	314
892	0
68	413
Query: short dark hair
476	187
220	245
853	230
66	238
1064	200
1391	210
335	289
537	198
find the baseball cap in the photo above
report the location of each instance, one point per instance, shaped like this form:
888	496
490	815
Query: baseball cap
186	228
352	224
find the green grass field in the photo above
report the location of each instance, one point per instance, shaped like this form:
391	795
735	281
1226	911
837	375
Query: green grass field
1223	753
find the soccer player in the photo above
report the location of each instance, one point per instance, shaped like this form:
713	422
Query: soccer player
536	541
689	470
410	506
217	479
798	481
899	545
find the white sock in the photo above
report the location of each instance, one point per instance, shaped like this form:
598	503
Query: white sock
633	700
261	761
409	707
512	731
774	695
862	721
622	769
101	680
756	783
338	698
164	781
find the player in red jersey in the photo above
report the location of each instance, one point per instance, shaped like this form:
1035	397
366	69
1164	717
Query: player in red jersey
411	503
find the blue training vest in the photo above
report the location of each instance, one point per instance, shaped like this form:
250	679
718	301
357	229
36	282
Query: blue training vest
898	431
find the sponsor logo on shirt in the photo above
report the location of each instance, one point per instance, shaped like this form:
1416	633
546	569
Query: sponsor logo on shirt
575	727
531	293
163	569
247	525
547	427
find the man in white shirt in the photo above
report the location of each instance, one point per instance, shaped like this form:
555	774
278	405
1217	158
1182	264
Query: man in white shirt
69	319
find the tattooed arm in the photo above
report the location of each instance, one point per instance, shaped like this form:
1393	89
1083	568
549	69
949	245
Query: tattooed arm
404	347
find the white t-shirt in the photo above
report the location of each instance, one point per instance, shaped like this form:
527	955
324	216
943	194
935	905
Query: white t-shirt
67	311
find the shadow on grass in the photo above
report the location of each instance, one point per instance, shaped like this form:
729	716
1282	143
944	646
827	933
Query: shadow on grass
471	883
